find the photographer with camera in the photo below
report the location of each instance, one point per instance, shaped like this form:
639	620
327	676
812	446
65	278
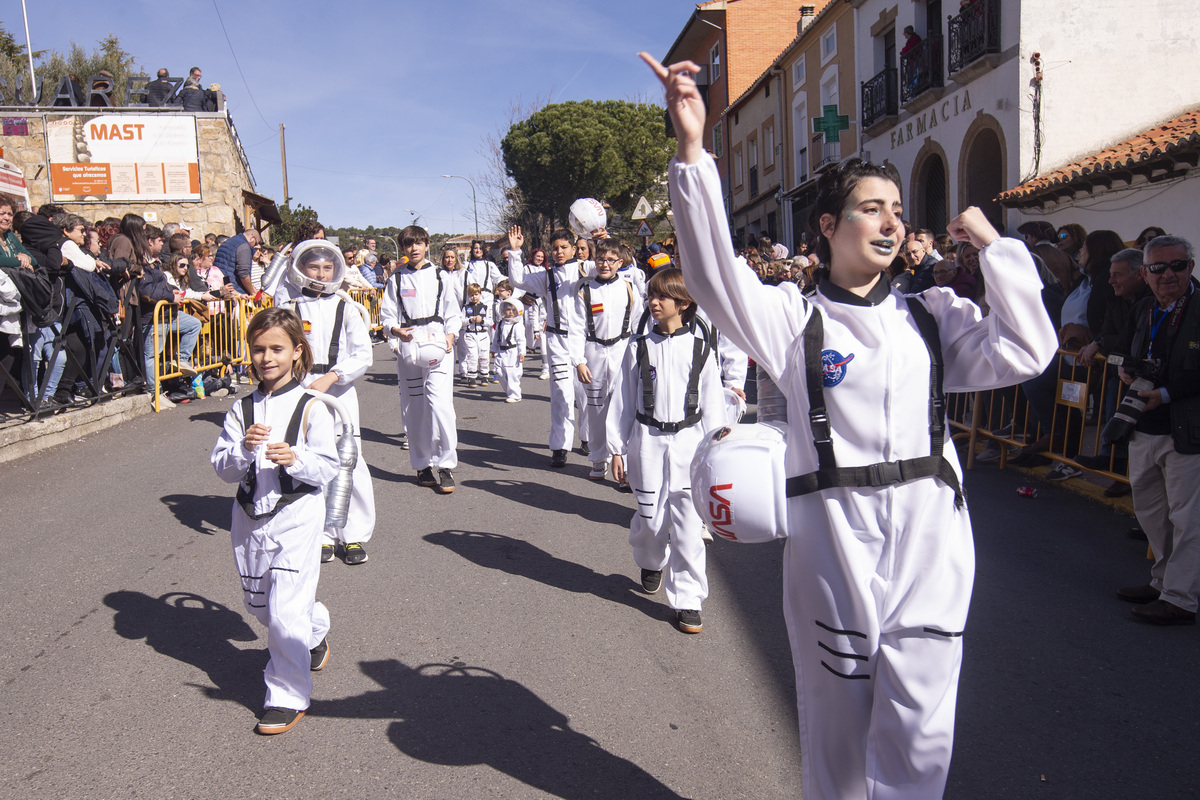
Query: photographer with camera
1160	417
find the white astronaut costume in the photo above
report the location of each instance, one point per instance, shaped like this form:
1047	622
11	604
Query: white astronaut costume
602	316
422	299
279	558
633	273
665	530
535	318
509	346
476	341
877	580
487	275
556	287
352	357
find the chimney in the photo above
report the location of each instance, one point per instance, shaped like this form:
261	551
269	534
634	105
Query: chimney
807	14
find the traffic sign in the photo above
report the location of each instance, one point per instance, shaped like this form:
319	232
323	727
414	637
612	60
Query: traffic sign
642	210
644	230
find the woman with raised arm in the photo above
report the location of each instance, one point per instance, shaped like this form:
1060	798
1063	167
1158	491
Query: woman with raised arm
879	562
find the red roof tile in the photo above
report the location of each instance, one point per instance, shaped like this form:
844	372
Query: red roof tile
1180	133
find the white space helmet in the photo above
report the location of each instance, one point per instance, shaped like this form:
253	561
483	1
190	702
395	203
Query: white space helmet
425	349
738	482
310	251
735	406
586	216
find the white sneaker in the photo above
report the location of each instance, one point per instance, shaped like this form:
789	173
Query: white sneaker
599	470
512	399
705	534
163	402
545	376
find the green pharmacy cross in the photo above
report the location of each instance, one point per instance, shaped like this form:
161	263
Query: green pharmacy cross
831	124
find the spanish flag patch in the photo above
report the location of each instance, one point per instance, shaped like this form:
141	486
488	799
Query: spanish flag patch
307	327
597	308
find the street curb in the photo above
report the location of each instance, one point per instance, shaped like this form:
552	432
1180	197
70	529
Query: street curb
27	438
1081	486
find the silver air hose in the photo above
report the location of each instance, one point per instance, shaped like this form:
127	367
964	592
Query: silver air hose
772	404
275	271
337	493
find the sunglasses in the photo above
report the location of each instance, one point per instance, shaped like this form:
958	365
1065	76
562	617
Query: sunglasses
1178	265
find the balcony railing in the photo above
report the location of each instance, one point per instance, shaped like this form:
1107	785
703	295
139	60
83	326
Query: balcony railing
831	154
880	97
921	69
974	33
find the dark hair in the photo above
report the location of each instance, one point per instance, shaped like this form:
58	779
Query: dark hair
286	319
307	230
833	192
482	249
153	232
8	202
412	235
134	227
178	241
589	244
668	282
562	234
50	211
1057	263
1149	233
108	229
607	246
175	259
1101	246
1077	233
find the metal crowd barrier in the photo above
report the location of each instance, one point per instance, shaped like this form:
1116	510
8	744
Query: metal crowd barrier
221	344
372	301
1084	397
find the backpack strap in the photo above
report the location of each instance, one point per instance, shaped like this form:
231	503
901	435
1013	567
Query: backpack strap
552	285
335	344
290	489
437	306
701	350
828	475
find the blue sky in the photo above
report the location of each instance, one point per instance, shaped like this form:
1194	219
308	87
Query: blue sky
380	98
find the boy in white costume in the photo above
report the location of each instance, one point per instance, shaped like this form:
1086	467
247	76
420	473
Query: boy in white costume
421	316
509	347
279	445
341	344
476	336
603	313
478	270
666	396
555	286
880	563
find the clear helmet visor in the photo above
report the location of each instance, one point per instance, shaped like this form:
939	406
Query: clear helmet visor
317	265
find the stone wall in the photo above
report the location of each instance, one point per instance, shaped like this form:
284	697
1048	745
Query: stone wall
223	177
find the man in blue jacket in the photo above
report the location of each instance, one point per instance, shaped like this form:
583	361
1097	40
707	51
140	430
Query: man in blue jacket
234	258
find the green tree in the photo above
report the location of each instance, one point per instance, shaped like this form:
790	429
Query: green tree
283	233
612	150
52	66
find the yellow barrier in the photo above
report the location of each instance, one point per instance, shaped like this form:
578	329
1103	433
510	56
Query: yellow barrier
1083	398
372	302
220	344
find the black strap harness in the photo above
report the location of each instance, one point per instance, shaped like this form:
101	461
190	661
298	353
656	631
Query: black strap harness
335	344
552	285
701	350
591	317
507	343
409	322
487	276
885	473
290	489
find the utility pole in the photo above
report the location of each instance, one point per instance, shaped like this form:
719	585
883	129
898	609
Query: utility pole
473	201
283	160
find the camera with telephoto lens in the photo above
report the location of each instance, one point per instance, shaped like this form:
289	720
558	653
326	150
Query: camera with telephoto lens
1146	372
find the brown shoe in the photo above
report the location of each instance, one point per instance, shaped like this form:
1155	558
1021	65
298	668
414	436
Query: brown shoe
1138	594
1160	612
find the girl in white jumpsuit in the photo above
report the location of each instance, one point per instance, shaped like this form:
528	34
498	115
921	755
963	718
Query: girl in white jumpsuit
509	347
877	579
276	541
660	440
317	270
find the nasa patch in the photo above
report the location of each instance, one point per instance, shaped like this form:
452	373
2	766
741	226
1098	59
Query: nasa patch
653	374
833	367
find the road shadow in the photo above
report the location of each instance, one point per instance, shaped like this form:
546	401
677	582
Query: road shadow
380	474
215	417
460	715
559	501
486	450
207	514
379	437
199	632
520	558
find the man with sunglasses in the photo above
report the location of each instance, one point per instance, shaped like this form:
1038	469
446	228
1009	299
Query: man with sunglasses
1162	344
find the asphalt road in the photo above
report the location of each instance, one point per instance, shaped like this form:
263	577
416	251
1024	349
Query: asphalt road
497	643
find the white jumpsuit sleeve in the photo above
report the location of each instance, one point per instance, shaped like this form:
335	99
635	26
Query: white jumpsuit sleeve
389	307
576	317
229	457
732	296
355	356
1013	343
622	409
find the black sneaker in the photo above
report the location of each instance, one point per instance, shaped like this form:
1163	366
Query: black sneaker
445	482
583	449
320	655
651	580
689	620
355	553
425	477
472	383
558	459
326	553
278	720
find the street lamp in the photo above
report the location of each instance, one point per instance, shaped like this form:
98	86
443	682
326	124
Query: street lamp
416	214
473	202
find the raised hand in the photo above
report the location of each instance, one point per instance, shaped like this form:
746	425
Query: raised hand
684	104
972	226
515	238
